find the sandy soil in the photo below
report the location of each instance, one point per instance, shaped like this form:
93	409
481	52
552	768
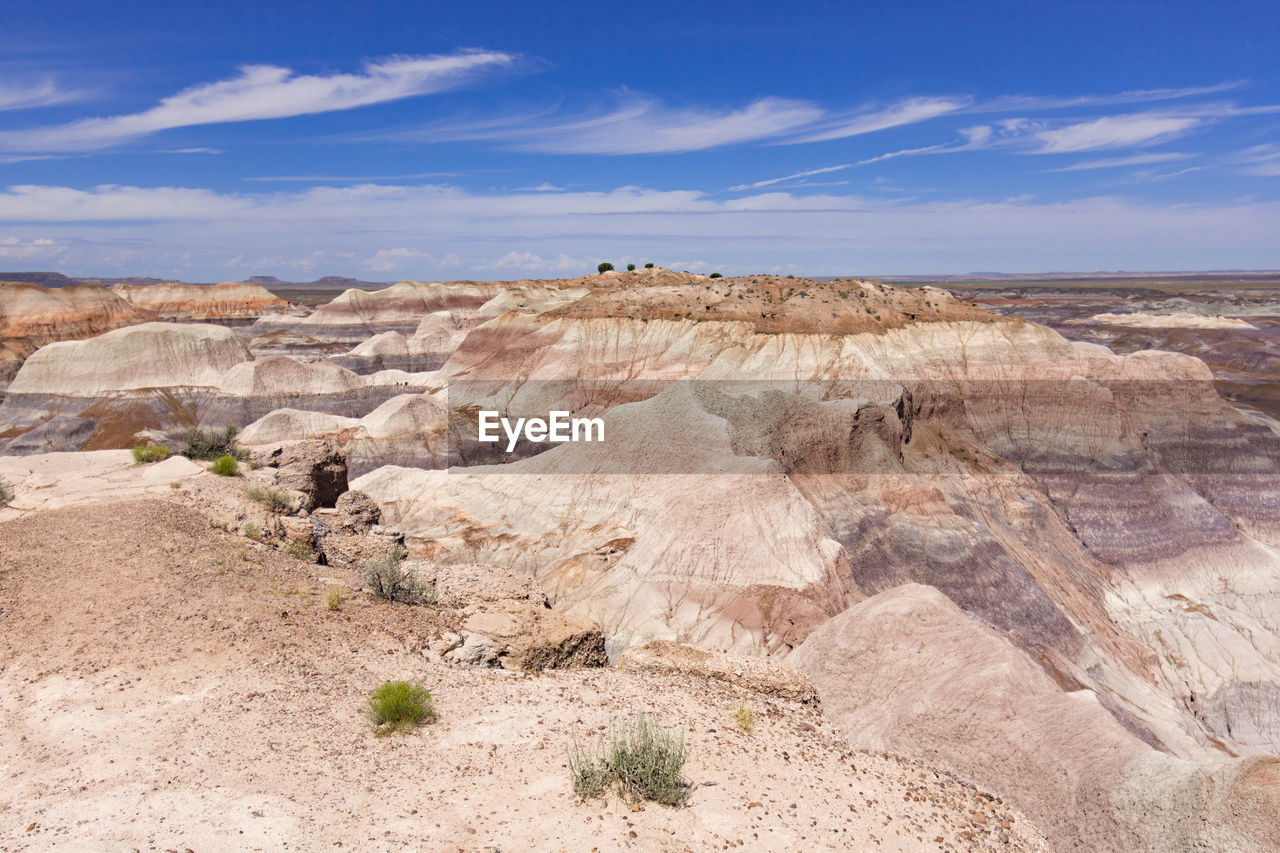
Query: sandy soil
167	685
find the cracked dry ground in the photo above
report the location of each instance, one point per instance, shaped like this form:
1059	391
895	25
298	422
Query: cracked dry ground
167	685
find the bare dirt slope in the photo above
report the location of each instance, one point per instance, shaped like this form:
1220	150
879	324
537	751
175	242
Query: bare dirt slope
167	685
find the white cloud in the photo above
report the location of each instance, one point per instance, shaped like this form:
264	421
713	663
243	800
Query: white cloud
797	175
1120	131
637	126
41	93
910	111
1261	160
263	92
386	260
39	247
193	233
911	152
1038	136
348	179
531	262
1133	160
1027	103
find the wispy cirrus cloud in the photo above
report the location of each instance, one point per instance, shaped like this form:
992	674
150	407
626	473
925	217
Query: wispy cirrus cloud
1132	160
910	111
1029	103
1041	136
1261	160
39	93
263	92
638	125
797	176
1120	131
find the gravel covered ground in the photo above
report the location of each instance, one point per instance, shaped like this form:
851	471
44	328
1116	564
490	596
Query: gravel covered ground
168	685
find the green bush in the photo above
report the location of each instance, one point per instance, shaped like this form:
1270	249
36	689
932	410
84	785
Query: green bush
648	266
604	266
227	466
142	454
641	760
399	706
211	444
274	499
631	267
715	275
252	531
387	577
6	494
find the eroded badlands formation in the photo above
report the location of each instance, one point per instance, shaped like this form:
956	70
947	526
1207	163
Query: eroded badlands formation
1045	566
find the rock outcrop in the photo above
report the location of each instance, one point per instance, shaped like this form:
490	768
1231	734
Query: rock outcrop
410	430
763	676
314	469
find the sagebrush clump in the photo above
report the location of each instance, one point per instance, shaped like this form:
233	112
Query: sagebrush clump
6	493
227	466
211	444
388	577
744	717
640	759
399	706
274	499
146	453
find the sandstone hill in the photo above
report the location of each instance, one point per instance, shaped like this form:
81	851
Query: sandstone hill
201	303
31	316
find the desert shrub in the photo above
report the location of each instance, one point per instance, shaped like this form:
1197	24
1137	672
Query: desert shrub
300	550
648	266
744	717
399	706
333	598
631	267
604	266
641	760
142	454
589	772
252	531
274	499
211	444
6	493
715	275
388	577
227	466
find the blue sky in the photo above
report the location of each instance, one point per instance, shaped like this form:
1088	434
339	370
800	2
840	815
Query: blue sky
427	140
